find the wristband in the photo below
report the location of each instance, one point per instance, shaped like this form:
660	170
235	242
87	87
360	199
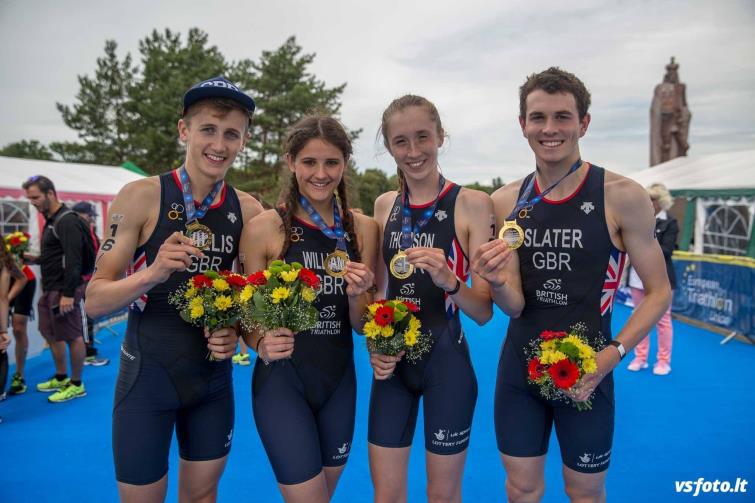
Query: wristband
455	289
619	347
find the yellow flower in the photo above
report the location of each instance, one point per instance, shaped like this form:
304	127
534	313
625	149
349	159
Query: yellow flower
289	276
279	294
414	324
223	302
190	293
371	329
549	357
7	247
24	239
246	293
548	345
267	274
196	308
585	351
373	308
220	285
308	294
410	337
386	331
589	365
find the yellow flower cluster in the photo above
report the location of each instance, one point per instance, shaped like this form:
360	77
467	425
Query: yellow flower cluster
585	351
190	292
196	308
223	302
371	329
551	356
220	285
246	293
280	293
289	276
411	334
308	294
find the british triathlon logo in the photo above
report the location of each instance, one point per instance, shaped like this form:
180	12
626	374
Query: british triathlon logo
328	313
394	214
407	289
553	285
587	207
441	215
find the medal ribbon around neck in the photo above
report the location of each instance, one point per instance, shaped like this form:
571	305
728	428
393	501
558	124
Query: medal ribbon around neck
511	232
335	263
407	230
201	235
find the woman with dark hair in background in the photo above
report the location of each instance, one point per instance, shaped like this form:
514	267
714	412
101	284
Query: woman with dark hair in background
304	385
9	272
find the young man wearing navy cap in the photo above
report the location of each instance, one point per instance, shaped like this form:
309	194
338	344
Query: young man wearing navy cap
163	230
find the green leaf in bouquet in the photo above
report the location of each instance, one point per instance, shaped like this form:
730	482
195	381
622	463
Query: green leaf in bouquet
569	350
211	274
399	315
297	265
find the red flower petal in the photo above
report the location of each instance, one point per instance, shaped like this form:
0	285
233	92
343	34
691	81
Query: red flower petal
564	373
384	316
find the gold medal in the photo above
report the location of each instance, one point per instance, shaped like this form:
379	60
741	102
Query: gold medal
511	234
201	235
400	267
335	263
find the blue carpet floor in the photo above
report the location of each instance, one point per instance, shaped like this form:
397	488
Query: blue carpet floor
695	422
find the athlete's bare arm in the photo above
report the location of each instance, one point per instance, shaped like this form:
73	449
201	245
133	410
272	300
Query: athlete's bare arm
499	264
360	276
631	223
262	242
133	217
382	365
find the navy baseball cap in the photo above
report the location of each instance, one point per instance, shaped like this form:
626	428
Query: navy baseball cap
84	207
217	87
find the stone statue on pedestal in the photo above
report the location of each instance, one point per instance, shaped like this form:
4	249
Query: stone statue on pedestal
669	118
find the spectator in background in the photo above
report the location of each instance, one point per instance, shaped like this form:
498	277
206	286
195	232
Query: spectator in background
21	301
60	307
88	214
12	282
666	231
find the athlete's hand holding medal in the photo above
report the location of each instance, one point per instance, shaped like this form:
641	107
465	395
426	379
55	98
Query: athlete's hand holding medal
489	262
359	279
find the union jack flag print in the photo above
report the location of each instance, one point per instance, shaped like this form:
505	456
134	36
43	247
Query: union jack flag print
458	263
611	283
137	264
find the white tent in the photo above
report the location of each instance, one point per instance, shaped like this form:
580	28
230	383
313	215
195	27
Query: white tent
73	183
720	193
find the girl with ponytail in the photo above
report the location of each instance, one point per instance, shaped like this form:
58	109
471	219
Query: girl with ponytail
304	385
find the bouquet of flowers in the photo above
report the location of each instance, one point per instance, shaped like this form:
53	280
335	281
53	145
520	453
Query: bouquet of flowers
391	328
283	297
17	243
212	299
558	360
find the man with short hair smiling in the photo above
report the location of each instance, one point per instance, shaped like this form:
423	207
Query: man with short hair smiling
576	222
166	382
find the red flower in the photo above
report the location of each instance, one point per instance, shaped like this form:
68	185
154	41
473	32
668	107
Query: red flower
547	335
27	235
200	281
411	306
236	280
15	241
564	373
535	369
257	279
384	316
381	301
309	278
226	272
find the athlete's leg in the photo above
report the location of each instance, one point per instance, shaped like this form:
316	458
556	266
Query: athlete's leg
150	493
388	468
314	490
585	487
525	478
198	480
332	475
20	323
444	473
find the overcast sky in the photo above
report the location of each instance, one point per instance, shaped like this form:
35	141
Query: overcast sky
468	57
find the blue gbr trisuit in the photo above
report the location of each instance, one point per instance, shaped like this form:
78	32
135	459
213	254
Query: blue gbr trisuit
570	271
444	377
166	380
